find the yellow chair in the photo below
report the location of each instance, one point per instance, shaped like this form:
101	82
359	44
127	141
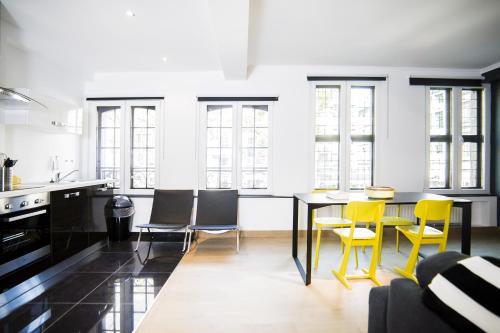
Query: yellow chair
394	221
327	222
361	211
426	210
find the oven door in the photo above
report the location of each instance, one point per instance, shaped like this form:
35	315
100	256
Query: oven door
25	238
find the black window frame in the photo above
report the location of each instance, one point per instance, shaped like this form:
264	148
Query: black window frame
478	138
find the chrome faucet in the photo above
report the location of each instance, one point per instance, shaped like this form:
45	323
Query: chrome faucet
59	178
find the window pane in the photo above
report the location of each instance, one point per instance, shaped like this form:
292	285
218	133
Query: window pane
213	116
327	110
261	116
213	179
438	171
261	137
361	110
361	165
247	117
440	108
219	158
140	137
470	108
255	141
247	137
327	165
213	137
139	179
247	157
470	164
140	117
143	160
108	143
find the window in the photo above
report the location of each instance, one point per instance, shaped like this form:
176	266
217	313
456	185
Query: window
456	140
440	134
126	143
235	146
108	143
344	135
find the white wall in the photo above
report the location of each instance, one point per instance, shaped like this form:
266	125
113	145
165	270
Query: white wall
400	132
33	150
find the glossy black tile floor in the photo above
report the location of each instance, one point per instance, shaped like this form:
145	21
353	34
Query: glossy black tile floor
108	291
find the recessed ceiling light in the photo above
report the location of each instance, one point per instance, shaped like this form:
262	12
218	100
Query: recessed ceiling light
130	13
164	59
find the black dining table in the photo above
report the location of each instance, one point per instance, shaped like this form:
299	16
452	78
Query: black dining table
318	200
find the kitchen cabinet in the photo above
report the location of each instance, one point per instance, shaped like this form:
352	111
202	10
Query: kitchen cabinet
69	210
77	220
98	196
57	116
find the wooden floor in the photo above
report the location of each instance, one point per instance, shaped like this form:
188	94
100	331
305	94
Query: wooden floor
214	289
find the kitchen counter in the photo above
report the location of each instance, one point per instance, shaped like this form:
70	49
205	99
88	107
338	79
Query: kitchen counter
49	187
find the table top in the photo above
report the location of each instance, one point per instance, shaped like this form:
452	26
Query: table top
399	198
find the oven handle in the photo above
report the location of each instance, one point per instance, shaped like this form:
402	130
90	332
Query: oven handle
25	216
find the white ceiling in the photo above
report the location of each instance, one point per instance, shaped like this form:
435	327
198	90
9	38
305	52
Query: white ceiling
96	35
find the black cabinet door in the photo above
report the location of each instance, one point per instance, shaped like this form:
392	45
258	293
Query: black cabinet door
98	196
69	222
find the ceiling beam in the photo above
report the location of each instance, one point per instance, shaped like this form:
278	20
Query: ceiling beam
230	26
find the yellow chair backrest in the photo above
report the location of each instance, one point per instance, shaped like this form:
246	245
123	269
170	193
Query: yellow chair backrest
365	211
434	210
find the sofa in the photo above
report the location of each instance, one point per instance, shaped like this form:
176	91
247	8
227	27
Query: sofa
399	306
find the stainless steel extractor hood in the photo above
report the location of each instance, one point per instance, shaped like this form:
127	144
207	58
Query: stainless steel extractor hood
11	99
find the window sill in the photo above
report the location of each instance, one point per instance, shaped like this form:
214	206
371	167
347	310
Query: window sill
464	192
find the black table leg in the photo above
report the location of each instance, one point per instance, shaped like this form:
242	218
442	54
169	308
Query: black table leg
466	227
295	227
309	246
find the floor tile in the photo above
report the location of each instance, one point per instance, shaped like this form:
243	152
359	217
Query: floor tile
159	264
33	317
101	262
123	318
70	287
128	288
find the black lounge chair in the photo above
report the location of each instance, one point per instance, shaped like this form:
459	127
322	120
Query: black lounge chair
172	210
216	213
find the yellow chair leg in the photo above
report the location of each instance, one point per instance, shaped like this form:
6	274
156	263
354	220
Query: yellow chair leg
340	274
363	249
318	243
379	255
356	255
342	246
442	246
397	240
410	264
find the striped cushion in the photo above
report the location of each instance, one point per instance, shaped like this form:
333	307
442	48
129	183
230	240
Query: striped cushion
467	295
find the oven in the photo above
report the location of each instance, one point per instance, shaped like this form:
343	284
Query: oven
24	231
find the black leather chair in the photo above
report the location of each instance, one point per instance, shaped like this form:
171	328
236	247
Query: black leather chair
216	213
172	210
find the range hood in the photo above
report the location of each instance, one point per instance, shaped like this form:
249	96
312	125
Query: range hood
12	99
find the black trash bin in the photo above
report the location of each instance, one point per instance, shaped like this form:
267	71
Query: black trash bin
119	212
